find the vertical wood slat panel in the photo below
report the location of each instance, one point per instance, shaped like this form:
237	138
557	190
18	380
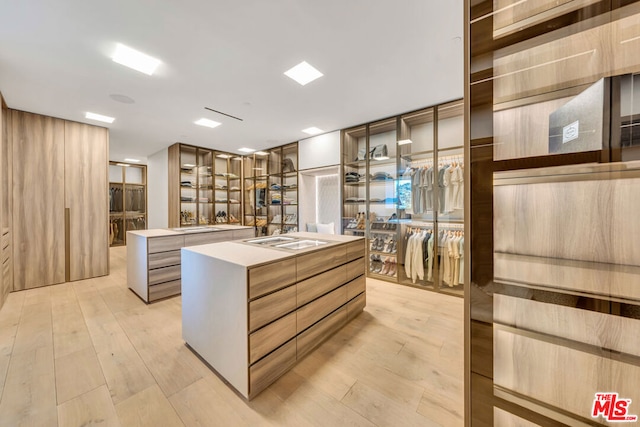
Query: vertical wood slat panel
86	197
38	202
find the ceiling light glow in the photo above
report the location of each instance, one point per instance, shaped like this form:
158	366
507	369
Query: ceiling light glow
132	58
303	73
381	158
208	123
99	117
261	153
123	165
246	150
223	156
405	142
132	160
312	130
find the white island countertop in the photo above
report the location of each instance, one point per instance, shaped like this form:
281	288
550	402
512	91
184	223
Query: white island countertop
160	232
249	255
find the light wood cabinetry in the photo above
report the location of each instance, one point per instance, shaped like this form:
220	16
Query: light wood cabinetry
6	248
39	202
60	214
286	304
154	261
127	200
85	182
205	186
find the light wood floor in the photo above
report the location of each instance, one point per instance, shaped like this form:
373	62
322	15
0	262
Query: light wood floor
92	353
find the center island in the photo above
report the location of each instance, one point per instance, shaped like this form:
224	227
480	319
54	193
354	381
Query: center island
252	308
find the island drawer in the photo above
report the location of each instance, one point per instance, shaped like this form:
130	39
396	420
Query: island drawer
268	278
164	244
266	309
265	340
164	259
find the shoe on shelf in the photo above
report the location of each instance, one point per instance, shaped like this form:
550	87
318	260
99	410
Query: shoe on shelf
393	268
385	268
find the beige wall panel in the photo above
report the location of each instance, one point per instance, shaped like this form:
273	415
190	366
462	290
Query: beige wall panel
86	163
581	220
38	205
503	418
523	131
548	373
600	279
531	12
590	327
578	59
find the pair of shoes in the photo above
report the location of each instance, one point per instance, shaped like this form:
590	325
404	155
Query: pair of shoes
393	266
376	264
221	217
233	219
277	219
390	245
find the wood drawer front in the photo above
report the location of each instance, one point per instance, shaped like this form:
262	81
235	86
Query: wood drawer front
165	274
164	244
271	277
313	287
272	336
355	250
206	238
355	269
244	234
268	308
164	259
312	337
319	261
269	369
356	305
356	286
316	310
164	290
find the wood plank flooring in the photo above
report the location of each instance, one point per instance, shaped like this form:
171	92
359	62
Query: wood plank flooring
92	353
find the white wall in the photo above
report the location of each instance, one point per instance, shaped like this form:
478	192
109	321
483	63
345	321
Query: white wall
319	197
158	189
319	151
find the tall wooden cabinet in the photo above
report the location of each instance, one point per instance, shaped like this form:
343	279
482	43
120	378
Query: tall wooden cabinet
86	201
6	265
60	207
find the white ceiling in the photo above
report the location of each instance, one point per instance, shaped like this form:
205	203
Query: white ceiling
379	58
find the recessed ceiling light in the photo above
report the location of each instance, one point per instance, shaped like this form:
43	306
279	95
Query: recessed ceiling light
312	130
303	73
381	158
246	150
261	153
133	59
99	117
208	123
405	142
223	156
132	160
123	164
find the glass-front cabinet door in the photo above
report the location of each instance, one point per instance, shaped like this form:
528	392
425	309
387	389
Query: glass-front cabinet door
354	161
382	209
418	196
188	185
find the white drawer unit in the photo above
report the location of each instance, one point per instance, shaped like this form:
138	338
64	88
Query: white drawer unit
269	307
153	257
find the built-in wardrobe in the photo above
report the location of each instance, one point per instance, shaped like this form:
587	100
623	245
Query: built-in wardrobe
6	265
60	204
